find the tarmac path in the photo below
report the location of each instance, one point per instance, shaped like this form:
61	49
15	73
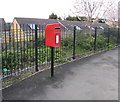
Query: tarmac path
90	78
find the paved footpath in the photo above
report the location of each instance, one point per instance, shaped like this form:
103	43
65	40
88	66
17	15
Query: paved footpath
90	78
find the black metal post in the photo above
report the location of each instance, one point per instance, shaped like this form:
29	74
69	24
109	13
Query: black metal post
74	45
118	37
108	37
36	49
95	39
52	61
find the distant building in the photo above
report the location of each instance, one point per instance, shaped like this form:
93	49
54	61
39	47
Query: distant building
2	24
112	24
21	28
29	22
4	30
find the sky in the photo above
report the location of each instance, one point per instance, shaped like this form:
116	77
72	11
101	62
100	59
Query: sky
34	8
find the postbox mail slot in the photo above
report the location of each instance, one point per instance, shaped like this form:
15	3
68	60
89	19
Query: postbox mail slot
57	28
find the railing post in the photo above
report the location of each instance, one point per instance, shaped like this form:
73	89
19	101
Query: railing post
95	38
36	49
52	61
74	42
118	37
108	37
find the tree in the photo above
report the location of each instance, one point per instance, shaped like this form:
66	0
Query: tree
59	18
82	18
91	9
53	16
72	18
112	15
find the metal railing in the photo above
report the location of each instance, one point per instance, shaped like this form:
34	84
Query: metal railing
24	50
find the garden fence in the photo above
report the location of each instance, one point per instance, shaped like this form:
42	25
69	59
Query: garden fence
24	50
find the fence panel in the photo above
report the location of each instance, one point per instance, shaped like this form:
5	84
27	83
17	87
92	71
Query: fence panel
65	52
24	50
113	36
102	38
84	41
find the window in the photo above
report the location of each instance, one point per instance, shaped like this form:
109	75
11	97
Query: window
101	27
78	28
32	26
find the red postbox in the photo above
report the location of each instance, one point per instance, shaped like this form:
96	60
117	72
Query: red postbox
52	35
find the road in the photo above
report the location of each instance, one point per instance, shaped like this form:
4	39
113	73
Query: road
90	78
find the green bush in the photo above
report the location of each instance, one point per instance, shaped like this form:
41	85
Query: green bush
19	59
101	42
84	42
13	59
67	42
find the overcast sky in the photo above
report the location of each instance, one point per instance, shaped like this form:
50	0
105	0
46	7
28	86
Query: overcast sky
33	8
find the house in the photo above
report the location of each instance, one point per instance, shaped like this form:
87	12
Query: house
113	24
19	22
4	30
2	24
24	27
